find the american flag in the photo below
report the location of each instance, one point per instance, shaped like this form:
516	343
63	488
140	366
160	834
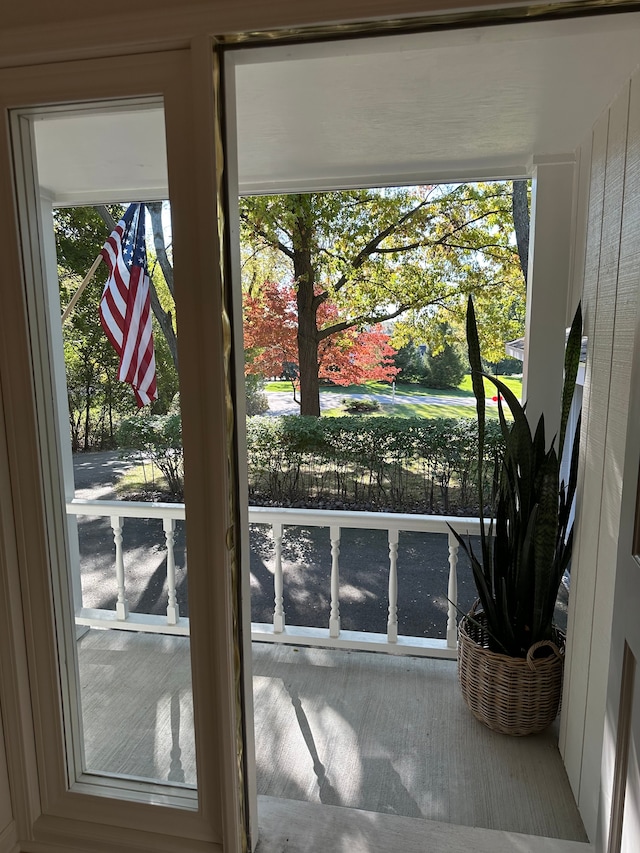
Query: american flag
125	307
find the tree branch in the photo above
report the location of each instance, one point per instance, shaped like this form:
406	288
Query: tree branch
461	227
155	210
163	317
373	244
270	241
324	251
483	248
406	248
372	319
106	217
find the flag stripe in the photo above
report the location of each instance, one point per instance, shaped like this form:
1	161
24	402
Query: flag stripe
125	307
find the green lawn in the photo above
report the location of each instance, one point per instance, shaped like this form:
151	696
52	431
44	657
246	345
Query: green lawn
415	410
512	382
409	390
405	406
140	479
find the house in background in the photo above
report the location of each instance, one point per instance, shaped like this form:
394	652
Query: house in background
556	99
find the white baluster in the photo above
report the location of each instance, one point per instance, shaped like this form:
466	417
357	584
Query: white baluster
452	593
392	621
278	581
173	614
334	617
122	605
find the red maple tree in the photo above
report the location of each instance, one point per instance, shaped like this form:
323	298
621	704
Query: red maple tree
348	357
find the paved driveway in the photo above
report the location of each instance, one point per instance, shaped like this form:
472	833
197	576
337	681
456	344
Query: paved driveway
96	473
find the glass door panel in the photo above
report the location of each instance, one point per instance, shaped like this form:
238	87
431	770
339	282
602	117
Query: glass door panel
111	438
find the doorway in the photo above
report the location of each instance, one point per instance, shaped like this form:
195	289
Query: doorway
387	110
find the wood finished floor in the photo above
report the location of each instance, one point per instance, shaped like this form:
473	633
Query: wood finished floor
292	827
375	733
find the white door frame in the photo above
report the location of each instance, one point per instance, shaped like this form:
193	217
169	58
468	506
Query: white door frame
183	78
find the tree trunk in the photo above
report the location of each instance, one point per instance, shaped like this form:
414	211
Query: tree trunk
163	317
110	398
87	412
308	355
307	303
520	204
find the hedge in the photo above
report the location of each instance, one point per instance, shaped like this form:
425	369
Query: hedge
392	464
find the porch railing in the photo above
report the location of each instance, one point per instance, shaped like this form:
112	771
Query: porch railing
278	630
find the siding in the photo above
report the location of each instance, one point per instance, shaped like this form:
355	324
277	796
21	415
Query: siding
610	298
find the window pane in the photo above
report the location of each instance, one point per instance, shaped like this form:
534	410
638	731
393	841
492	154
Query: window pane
112	347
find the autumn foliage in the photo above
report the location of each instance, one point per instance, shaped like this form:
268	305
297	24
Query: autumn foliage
348	357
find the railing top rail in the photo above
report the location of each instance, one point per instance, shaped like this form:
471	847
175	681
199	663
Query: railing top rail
125	509
366	520
287	515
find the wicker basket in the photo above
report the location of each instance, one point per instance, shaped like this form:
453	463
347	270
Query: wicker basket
514	696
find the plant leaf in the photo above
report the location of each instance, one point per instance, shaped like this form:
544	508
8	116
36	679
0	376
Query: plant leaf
544	543
475	363
571	364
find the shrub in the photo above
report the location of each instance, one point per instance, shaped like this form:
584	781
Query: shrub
412	365
506	367
159	439
397	464
446	369
257	402
401	464
360	407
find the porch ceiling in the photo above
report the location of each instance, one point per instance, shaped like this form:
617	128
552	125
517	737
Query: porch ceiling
459	104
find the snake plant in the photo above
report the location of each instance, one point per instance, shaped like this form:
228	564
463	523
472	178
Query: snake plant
527	546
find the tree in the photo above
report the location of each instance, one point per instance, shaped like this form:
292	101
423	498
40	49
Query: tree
256	399
94	392
271	331
91	364
445	368
159	439
379	254
520	207
442	367
410	363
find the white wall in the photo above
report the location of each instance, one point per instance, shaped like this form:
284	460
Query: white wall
611	160
547	290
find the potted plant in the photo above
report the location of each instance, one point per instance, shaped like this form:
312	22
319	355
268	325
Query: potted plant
510	654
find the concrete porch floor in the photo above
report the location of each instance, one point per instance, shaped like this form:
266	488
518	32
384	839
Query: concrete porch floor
358	730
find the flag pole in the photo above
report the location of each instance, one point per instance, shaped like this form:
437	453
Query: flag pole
85	281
